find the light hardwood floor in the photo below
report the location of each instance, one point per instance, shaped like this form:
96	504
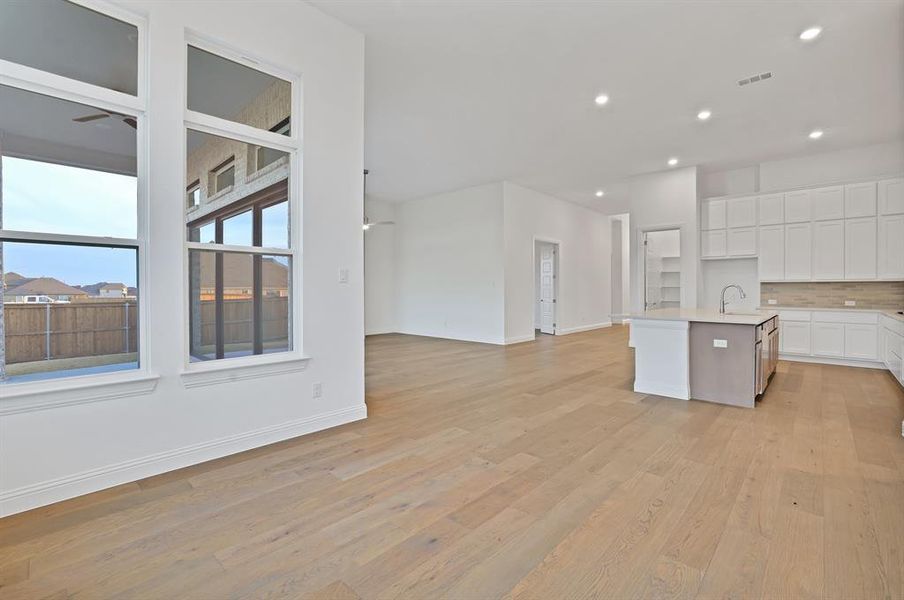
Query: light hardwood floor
531	471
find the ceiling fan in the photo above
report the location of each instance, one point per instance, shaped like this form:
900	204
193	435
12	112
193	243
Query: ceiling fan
104	114
368	223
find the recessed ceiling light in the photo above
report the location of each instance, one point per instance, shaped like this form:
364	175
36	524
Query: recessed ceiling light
704	114
816	134
673	162
601	99
810	34
600	193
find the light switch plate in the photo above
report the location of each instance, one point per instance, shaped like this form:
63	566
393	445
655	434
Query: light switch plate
850	303
720	343
317	390
343	275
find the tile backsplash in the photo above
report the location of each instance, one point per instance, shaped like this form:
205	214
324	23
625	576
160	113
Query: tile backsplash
880	295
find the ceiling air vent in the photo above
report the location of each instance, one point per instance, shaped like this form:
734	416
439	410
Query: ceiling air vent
755	78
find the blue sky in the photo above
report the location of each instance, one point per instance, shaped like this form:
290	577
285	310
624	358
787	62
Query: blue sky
48	198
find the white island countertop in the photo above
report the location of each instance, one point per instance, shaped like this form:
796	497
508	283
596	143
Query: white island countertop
707	315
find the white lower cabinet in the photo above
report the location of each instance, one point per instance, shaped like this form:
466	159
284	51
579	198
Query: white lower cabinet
891	354
794	337
861	342
828	339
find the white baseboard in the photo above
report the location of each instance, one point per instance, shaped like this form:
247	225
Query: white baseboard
662	389
79	484
520	339
579	329
825	360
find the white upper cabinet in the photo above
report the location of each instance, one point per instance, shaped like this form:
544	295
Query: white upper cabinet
713	243
741	212
713	214
860	200
797	206
827	204
797	251
891	247
771	209
771	262
891	196
828	250
860	260
741	241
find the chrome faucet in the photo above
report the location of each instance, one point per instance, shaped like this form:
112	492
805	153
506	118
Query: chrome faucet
725	289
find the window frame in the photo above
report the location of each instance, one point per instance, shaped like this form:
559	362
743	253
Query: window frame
190	203
30	79
294	358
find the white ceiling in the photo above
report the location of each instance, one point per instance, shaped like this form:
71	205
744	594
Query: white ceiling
461	92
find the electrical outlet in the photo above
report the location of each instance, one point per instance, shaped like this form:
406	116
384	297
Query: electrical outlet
317	390
720	343
343	275
772	301
850	303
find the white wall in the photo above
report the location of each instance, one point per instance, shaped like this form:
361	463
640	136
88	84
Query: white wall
449	265
379	269
664	200
863	162
583	300
719	273
620	265
51	454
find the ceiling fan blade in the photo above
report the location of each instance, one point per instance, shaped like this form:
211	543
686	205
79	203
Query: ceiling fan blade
130	122
89	118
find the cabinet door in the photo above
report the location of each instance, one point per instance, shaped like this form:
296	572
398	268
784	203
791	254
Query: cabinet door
741	242
741	212
771	262
828	250
794	337
714	243
891	247
771	209
891	197
860	248
828	339
861	341
797	251
827	203
713	214
860	200
797	206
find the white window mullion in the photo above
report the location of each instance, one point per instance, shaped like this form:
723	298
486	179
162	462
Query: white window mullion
7	235
237	131
238	249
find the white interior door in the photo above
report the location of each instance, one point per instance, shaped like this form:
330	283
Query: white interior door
547	260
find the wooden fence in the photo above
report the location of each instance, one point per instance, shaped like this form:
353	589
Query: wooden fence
49	331
52	331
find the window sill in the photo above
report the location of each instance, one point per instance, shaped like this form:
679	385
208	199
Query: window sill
33	396
239	369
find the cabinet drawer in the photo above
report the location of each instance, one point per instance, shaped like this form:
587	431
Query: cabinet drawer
794	315
840	316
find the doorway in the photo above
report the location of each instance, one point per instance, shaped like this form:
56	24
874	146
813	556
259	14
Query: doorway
662	269
546	267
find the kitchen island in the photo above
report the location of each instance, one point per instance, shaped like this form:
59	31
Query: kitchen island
702	354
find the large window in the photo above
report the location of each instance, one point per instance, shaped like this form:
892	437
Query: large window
238	234
70	231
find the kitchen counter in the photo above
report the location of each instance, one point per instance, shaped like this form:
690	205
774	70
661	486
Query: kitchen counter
700	354
882	311
708	315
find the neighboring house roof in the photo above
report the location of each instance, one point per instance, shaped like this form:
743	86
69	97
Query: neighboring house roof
113	286
43	286
13	278
237	272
